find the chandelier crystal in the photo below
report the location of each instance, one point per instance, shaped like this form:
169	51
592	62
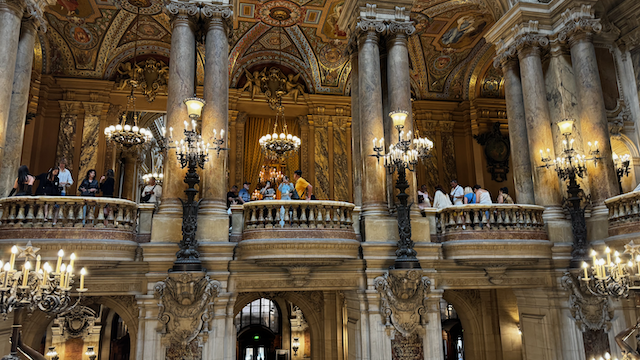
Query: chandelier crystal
279	146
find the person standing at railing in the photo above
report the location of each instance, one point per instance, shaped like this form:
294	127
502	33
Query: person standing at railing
469	196
440	200
244	193
65	177
88	187
286	189
152	192
107	184
423	198
267	192
49	183
24	182
302	186
504	197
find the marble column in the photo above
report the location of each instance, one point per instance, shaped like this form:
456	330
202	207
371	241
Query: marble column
130	183
370	108
399	89
538	121
520	156
356	152
167	222
593	116
213	221
90	137
67	135
10	17
433	334
14	134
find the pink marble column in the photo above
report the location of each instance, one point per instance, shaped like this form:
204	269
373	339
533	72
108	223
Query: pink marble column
370	108
10	17
213	221
167	222
14	134
520	155
356	151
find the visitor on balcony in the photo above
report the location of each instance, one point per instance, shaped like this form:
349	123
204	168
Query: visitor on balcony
24	182
482	196
285	188
267	192
152	192
65	177
457	193
423	198
244	193
233	198
440	200
49	183
504	197
469	196
302	186
107	184
89	186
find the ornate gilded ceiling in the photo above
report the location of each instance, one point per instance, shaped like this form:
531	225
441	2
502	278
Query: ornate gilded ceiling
449	57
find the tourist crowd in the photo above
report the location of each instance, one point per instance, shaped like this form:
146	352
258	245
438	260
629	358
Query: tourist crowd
460	196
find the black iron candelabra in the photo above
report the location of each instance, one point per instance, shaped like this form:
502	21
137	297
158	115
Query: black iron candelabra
403	156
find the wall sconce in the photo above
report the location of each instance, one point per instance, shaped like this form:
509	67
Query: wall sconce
519	329
90	353
295	346
52	353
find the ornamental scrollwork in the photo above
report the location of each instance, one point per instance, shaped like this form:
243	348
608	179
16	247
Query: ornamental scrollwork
274	84
151	76
403	300
186	307
579	20
402	27
590	312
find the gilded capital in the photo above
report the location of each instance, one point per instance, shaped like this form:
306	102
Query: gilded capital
579	24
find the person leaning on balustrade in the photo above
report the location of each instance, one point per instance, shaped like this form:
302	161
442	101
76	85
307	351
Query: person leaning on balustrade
440	200
24	182
65	177
267	192
504	197
302	186
49	183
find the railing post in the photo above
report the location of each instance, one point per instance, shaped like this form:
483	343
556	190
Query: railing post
237	222
145	221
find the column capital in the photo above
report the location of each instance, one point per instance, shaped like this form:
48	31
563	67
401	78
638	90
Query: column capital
401	29
217	15
34	16
525	36
182	12
92	108
17	7
69	107
579	24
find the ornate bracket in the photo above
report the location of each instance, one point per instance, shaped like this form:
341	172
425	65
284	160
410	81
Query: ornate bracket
403	300
590	312
186	308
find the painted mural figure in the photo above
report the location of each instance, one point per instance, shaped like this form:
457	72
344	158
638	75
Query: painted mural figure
467	25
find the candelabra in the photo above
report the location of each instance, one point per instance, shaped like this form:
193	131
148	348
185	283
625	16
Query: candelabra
613	278
35	287
52	353
403	156
192	152
295	346
91	353
570	166
622	167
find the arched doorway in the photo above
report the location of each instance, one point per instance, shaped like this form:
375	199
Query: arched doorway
452	332
258	326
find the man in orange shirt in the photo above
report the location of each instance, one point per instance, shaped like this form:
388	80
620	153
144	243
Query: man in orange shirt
303	188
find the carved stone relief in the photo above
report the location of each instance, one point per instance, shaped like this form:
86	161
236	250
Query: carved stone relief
403	300
151	76
274	84
590	312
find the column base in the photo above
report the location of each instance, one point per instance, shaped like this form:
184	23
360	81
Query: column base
558	227
380	228
598	223
167	222
423	229
213	222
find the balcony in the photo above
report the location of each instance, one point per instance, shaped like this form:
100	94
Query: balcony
85	225
492	232
296	231
624	217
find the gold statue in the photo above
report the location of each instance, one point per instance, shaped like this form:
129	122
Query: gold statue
293	87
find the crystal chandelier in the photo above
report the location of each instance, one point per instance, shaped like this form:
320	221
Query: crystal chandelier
123	133
614	276
279	146
158	176
270	173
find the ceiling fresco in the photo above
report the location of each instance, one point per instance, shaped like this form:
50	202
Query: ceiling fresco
448	55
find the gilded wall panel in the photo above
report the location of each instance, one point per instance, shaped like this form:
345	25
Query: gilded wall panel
321	183
340	162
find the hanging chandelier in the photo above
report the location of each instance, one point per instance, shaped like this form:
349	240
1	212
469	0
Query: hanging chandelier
279	146
123	133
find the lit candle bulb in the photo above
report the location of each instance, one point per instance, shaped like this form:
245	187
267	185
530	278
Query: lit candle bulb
7	270
171	132
374	141
193	125
221	134
25	273
593	255
186	125
585	266
67	279
83	272
59	263
72	259
12	261
608	252
45	274
37	263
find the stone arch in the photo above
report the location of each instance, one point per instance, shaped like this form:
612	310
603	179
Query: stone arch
312	312
468	312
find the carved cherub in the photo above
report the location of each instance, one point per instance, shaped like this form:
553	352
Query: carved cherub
128	72
293	87
253	83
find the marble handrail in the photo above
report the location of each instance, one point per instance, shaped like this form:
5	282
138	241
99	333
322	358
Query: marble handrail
490	217
67	212
623	210
288	214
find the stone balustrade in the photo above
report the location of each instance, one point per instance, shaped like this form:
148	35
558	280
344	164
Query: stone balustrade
290	231
477	232
624	214
80	217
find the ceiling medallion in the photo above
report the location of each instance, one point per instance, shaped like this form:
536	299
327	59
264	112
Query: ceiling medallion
280	13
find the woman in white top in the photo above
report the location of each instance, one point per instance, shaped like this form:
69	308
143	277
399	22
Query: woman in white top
482	195
423	198
440	200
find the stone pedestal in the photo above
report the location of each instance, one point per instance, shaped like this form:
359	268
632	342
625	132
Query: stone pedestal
10	17
520	155
213	220
168	220
370	109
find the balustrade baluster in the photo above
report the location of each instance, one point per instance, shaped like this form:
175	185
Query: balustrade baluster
287	217
269	220
40	215
21	215
100	220
119	217
31	205
295	223
303	216
313	216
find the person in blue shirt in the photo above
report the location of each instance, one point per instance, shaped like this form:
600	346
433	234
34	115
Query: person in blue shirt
244	193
